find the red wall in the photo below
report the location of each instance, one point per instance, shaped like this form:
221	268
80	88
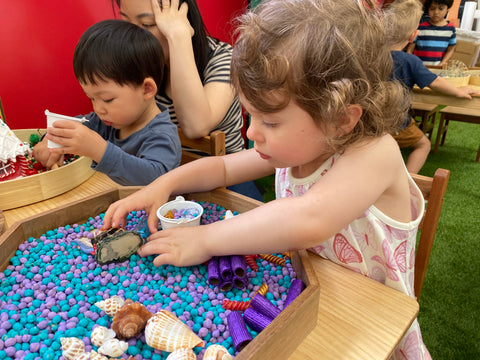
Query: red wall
37	40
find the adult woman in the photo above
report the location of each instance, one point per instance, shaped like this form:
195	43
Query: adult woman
197	87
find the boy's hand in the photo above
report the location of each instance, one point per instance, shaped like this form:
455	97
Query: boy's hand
183	246
42	154
76	139
466	92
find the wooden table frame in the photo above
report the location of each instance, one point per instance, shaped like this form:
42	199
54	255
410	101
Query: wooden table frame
358	318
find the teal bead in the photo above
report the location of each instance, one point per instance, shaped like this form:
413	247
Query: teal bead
56	319
56	345
34	330
196	327
16	297
269	296
147	354
17	326
156	357
133	350
37	303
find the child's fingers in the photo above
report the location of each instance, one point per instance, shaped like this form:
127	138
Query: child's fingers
163	259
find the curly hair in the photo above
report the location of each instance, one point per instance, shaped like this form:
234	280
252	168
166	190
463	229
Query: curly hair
324	55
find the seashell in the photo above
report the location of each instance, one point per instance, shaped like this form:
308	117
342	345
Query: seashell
72	347
110	305
217	352
100	334
96	356
130	320
166	332
182	354
113	348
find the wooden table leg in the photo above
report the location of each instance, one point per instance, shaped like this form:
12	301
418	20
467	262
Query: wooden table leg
439	133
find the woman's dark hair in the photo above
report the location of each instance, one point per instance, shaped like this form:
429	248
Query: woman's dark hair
120	51
201	50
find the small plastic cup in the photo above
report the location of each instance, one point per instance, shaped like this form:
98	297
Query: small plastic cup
178	204
51	118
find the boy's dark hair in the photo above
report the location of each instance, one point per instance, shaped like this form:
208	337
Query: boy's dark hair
449	3
120	51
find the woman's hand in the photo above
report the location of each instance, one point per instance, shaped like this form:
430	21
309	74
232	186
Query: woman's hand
171	19
183	246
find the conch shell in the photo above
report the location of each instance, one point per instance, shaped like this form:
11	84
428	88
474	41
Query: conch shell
92	355
72	347
110	305
113	348
217	352
100	334
182	354
166	332
130	320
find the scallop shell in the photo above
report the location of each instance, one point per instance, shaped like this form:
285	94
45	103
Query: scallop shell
71	347
83	356
166	332
217	352
113	348
182	354
110	305
130	320
100	334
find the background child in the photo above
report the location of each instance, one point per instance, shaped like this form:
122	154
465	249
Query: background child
129	136
401	23
436	39
313	74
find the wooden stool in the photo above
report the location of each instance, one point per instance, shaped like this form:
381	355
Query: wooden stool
428	113
453	113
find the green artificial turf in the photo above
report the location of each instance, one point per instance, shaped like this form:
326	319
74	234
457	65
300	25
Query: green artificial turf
450	303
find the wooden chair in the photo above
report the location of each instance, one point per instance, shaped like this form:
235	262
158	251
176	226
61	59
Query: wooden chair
213	144
428	113
453	113
433	190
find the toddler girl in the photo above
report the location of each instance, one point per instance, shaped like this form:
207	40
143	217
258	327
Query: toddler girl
313	76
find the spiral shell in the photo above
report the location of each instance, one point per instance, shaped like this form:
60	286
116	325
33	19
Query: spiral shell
130	320
71	347
273	259
217	352
100	334
110	305
182	354
166	332
96	356
113	348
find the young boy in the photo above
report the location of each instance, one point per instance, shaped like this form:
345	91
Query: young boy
436	38
129	136
401	26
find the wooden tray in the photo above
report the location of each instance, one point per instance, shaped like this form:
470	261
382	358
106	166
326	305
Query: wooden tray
28	190
278	340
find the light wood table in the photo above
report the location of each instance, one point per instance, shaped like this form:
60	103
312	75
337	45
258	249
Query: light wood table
427	95
358	318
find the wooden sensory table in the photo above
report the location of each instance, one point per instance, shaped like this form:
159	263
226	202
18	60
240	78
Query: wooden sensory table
343	315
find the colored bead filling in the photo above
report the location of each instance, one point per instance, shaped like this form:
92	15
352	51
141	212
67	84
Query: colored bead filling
48	291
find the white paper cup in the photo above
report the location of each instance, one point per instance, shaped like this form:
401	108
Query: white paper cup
51	118
178	204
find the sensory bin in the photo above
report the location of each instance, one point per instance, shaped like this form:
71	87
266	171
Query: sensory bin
183	291
30	189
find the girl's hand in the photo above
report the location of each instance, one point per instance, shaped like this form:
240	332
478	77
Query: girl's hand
42	154
76	139
171	19
116	214
183	246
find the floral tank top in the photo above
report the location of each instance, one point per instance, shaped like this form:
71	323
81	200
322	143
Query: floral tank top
374	245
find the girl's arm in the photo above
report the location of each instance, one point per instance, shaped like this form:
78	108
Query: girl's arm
201	175
372	174
199	108
410	48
